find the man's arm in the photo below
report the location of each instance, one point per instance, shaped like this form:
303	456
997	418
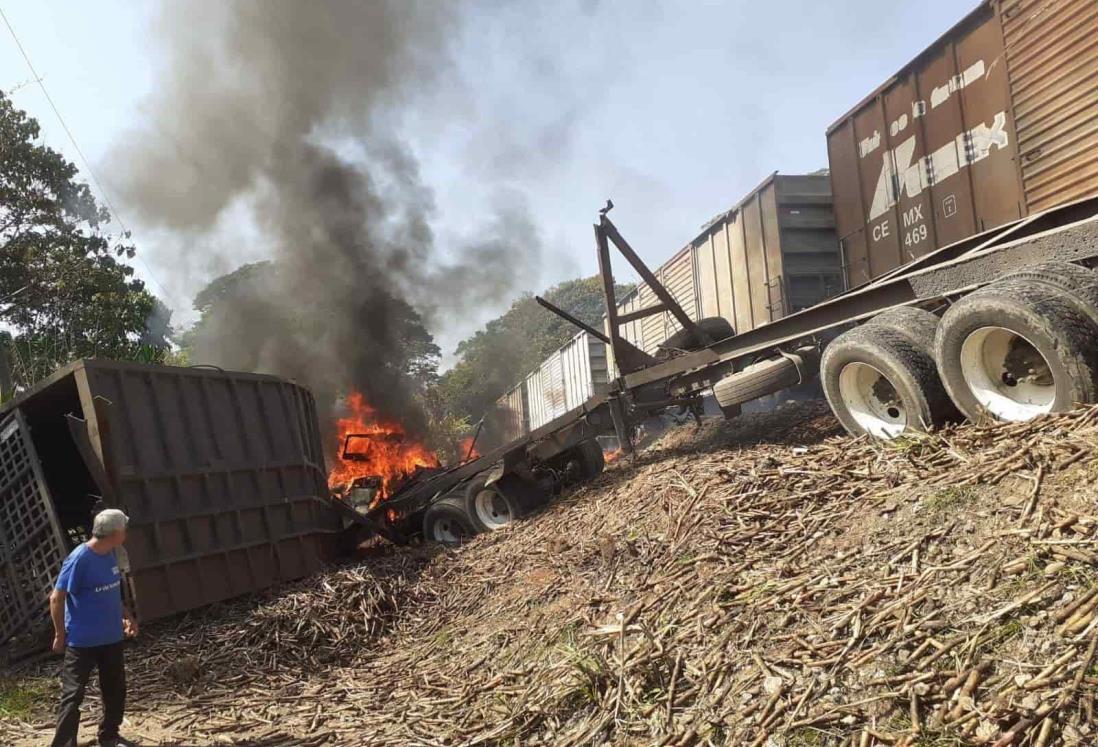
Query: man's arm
57	614
129	622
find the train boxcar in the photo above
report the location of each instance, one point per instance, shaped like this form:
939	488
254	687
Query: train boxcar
771	254
995	121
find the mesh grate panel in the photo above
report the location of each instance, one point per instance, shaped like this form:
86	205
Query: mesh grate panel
31	550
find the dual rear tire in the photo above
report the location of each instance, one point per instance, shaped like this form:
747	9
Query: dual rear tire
505	501
1021	347
482	506
479	507
881	380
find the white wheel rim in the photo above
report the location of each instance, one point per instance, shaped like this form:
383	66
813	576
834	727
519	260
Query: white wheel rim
445	530
872	401
1006	374
492	509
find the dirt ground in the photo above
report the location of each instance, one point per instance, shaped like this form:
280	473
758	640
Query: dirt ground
765	581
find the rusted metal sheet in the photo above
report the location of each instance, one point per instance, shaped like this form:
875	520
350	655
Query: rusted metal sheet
771	254
1052	58
221	473
995	120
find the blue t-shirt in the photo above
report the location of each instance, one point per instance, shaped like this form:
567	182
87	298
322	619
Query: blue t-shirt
93	607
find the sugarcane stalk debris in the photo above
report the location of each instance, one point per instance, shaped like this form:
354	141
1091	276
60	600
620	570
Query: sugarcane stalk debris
763	582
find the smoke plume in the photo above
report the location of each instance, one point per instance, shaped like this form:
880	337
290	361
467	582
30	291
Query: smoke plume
291	111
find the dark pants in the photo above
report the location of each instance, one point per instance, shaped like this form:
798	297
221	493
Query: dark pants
77	669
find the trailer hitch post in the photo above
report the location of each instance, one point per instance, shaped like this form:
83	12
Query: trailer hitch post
622	429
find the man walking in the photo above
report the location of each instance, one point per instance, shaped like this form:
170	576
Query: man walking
89	623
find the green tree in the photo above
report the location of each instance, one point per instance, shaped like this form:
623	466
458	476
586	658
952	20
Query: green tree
65	292
495	358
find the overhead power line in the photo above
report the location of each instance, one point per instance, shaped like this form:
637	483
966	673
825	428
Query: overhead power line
76	146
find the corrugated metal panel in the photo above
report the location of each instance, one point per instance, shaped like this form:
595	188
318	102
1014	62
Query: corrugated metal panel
742	265
575	369
507	420
633	332
755	258
713	270
811	270
567	378
1052	54
653	328
221	473
767	201
740	262
583	366
996	120
679	278
545	391
535	400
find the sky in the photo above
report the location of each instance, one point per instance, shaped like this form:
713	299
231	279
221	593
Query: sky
674	109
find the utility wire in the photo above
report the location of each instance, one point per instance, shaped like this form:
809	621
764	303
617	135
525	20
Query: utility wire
72	139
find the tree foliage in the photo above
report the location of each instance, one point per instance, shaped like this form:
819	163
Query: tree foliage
65	292
495	358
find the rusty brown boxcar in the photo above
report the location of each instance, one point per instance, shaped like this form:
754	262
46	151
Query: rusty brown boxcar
996	120
221	473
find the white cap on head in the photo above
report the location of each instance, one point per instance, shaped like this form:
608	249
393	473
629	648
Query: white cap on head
108	522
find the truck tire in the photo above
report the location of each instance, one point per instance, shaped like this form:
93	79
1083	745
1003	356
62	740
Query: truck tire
508	499
881	383
1079	282
1017	349
588	455
766	377
447	522
717	327
917	325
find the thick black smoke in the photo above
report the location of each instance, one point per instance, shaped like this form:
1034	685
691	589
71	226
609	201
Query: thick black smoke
289	110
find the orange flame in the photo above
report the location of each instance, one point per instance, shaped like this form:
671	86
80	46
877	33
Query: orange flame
612	455
383	452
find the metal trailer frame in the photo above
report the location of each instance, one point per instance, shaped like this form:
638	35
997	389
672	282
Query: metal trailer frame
647	386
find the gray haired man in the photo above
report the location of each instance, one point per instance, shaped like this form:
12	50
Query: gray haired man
90	622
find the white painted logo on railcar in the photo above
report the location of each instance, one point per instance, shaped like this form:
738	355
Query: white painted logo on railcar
902	175
899	176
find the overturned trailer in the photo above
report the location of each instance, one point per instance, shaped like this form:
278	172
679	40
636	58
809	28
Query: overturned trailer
221	473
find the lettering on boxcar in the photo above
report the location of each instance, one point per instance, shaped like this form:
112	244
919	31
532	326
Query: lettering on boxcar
899	176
